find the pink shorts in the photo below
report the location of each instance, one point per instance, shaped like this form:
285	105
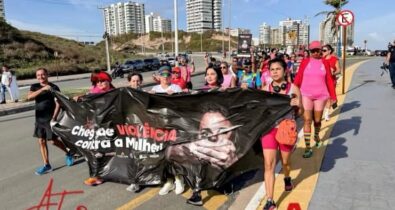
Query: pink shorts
313	104
268	141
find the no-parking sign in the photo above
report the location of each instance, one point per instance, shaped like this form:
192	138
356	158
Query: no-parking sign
345	18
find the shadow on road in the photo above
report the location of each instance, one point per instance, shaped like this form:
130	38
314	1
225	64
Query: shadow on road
345	125
335	150
349	106
360	85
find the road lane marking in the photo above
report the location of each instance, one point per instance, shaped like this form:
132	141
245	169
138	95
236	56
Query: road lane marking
134	203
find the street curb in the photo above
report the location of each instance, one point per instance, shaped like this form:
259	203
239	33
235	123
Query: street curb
30	105
61	80
27	107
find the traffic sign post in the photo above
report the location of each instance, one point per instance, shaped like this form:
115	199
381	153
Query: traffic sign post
344	18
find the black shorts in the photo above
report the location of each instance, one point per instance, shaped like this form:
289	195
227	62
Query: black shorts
44	131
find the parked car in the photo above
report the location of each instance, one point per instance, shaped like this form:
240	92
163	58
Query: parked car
384	53
139	64
128	66
172	61
367	52
377	52
151	64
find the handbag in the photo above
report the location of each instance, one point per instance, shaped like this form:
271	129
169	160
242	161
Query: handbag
287	132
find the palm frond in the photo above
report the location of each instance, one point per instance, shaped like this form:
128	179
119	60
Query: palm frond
322	13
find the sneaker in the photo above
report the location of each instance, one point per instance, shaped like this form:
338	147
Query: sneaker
167	187
195	199
93	181
43	170
326	115
308	153
288	184
69	159
179	185
318	141
133	188
270	205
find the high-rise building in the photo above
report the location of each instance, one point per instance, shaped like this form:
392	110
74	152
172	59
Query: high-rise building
275	37
203	15
2	12
295	32
289	33
264	34
237	31
154	22
327	36
124	17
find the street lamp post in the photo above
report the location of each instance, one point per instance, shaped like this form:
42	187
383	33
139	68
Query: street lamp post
230	18
176	28
366	49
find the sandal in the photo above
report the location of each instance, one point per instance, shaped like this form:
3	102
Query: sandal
308	153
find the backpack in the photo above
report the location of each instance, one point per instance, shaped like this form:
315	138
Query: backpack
287	132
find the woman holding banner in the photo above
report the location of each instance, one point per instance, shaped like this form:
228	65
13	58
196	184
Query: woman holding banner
102	81
314	78
270	144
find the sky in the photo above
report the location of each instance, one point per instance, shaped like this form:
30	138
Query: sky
83	21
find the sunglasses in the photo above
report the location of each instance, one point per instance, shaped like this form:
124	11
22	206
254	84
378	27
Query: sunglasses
223	67
324	50
315	50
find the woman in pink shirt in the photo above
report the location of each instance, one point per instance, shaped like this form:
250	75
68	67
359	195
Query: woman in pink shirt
229	79
315	81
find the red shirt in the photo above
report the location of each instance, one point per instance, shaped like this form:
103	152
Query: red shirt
180	82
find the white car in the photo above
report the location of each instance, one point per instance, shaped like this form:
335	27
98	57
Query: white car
172	61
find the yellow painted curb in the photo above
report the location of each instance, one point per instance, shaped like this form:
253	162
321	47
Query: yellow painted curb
305	172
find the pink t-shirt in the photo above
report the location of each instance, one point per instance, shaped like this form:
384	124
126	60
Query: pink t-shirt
188	72
227	80
314	80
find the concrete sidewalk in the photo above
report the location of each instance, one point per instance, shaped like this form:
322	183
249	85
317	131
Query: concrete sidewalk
358	170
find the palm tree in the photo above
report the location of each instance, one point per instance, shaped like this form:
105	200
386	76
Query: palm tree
331	15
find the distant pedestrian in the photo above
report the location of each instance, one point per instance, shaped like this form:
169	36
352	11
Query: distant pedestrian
327	54
47	110
6	80
187	70
14	87
390	60
315	81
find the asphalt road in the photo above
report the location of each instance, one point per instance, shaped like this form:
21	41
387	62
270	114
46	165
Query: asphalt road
22	189
20	156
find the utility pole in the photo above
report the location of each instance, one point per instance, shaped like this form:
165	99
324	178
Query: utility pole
223	29
201	41
176	28
230	18
105	37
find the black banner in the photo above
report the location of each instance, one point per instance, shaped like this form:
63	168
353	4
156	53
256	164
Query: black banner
244	44
132	136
